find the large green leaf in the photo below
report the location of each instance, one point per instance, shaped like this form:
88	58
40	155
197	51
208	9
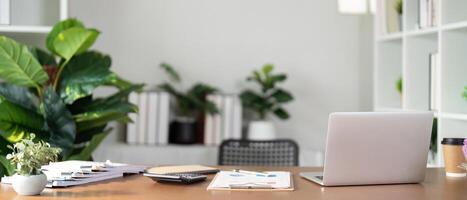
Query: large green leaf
16	122
74	41
87	125
267	69
281	113
99	112
115	80
171	71
169	89
19	95
282	96
43	57
200	90
83	136
60	121
86	153
7	168
250	98
83	74
58	28
18	66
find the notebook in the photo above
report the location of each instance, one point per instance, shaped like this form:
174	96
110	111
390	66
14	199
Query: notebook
182	169
230	180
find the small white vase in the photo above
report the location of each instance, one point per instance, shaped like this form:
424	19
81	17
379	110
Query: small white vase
261	130
29	185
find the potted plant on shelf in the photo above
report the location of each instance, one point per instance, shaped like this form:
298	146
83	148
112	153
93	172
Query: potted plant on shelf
28	157
50	93
190	107
399	5
268	100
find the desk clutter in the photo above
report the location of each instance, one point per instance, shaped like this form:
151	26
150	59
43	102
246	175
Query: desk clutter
72	173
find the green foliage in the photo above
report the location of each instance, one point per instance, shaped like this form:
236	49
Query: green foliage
61	110
28	156
191	102
399	4
59	120
465	93
270	97
18	65
399	85
83	74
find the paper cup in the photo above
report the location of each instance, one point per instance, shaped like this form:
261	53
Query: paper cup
453	157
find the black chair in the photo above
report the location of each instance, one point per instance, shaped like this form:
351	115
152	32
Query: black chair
258	153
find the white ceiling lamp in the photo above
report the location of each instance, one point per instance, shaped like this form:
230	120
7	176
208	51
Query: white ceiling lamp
356	6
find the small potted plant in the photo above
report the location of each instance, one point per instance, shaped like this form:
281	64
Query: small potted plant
28	157
399	5
268	100
190	107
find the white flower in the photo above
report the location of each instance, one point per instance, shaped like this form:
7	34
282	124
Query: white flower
20	146
9	156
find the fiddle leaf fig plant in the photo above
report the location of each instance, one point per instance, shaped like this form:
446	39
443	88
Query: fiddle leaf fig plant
191	102
50	93
270	97
28	156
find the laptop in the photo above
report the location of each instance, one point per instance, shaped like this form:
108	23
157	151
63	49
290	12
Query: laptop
368	148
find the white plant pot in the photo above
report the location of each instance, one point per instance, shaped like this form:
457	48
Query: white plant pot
29	185
261	130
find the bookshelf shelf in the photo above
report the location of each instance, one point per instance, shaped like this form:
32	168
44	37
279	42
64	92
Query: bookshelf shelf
422	32
390	37
455	116
407	54
454	26
25	29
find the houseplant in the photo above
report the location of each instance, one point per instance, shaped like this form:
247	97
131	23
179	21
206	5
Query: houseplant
49	93
399	5
190	107
265	101
28	157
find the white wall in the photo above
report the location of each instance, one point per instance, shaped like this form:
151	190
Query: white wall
220	41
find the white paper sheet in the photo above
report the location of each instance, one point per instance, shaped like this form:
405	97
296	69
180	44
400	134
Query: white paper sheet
230	179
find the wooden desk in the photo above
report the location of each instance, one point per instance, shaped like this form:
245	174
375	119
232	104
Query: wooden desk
137	187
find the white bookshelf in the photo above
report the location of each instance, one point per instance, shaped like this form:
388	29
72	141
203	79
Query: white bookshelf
30	21
406	54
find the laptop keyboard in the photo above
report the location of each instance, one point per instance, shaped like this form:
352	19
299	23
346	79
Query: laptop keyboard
319	177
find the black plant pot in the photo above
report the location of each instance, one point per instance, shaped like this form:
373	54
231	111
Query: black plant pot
182	132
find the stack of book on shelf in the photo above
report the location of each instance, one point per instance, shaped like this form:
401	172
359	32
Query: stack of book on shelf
392	20
228	123
434	78
428	13
71	173
151	124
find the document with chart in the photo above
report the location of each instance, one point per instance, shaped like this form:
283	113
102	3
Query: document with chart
230	180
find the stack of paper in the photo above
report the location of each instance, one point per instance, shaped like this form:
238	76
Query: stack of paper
71	173
229	180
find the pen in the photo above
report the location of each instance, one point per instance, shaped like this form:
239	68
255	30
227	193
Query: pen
250	172
250	187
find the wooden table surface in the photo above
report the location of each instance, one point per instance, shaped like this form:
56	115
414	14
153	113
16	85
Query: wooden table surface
137	187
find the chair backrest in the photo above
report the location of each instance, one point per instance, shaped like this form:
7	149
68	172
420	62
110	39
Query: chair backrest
282	152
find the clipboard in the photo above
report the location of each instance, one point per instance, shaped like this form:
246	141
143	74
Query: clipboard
211	186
